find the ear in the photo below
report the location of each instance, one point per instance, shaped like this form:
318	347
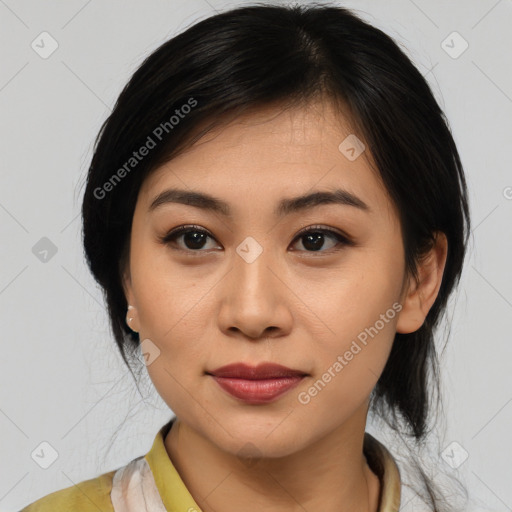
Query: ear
127	286
132	318
420	295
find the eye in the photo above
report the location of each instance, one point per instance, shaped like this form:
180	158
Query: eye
314	238
194	238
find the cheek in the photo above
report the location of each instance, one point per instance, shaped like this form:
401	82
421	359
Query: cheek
361	312
172	384
166	302
356	296
349	367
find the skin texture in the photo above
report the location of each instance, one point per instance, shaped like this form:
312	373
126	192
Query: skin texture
207	307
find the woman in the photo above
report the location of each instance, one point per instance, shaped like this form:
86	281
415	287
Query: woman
277	214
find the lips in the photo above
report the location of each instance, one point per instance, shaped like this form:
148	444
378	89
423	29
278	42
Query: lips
256	385
262	371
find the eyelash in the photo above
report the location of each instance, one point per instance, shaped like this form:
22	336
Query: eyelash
343	240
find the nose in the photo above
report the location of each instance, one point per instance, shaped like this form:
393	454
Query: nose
254	299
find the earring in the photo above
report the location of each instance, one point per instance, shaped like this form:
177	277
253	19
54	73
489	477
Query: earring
130	318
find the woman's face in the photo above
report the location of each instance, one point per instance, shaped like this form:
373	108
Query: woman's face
252	290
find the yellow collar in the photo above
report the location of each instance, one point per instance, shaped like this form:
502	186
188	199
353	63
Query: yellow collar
176	496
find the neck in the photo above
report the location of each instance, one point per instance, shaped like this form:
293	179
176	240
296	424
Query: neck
331	475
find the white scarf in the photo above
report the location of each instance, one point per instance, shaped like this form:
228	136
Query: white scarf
134	489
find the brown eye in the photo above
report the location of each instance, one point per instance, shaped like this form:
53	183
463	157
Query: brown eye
193	238
314	239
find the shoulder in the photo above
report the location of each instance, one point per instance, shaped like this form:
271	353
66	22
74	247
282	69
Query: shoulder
90	495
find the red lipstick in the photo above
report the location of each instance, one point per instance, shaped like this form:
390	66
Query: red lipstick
256	384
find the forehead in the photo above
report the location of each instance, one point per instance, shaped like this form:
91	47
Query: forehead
271	153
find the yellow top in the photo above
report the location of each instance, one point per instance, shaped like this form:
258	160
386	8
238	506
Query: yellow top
94	495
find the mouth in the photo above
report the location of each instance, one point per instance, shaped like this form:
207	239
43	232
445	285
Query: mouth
256	384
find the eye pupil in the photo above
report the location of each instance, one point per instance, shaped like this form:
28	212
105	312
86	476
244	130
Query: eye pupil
315	238
196	238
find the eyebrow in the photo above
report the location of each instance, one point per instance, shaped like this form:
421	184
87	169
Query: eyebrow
285	206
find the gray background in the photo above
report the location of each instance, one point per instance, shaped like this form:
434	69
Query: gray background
62	380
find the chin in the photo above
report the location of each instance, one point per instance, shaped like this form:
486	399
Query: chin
255	438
